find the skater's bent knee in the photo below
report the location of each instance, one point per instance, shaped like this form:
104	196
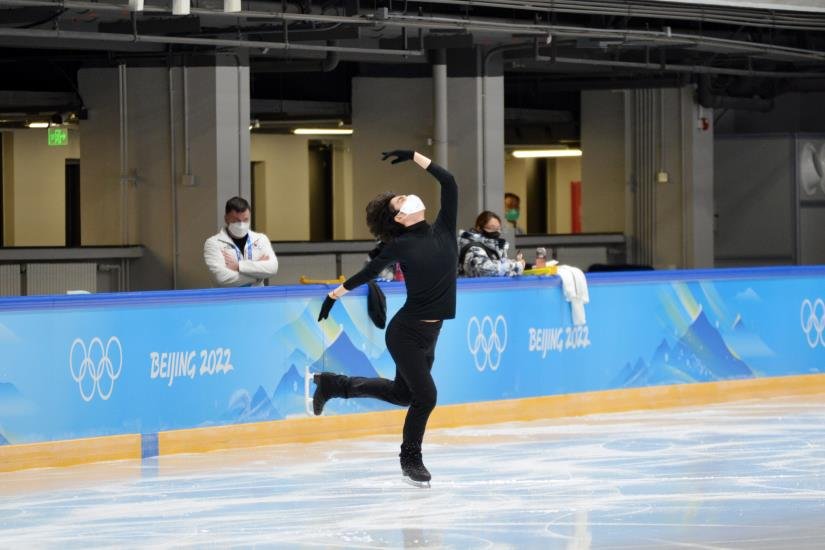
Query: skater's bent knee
427	400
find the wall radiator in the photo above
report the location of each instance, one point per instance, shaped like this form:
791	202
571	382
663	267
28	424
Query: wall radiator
10	280
60	278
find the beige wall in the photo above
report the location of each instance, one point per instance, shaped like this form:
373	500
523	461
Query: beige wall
342	201
390	113
286	197
603	161
560	172
8	190
157	209
101	203
35	188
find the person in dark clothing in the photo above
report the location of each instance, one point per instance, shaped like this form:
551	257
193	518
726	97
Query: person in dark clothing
428	255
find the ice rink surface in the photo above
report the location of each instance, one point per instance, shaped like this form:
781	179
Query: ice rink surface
739	475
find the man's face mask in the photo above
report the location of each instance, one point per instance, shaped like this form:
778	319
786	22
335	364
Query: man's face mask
511	214
412	204
238	229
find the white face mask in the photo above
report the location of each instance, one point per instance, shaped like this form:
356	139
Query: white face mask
238	229
412	204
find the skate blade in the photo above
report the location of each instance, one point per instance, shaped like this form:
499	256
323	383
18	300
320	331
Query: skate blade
419	484
307	397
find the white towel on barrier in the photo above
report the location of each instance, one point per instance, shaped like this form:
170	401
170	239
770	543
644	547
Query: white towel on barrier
574	285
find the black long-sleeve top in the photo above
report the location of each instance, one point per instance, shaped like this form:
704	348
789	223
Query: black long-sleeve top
428	255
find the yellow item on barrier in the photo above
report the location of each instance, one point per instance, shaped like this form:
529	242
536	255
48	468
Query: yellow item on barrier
305	281
549	270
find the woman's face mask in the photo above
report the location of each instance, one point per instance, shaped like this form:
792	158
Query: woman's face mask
492	229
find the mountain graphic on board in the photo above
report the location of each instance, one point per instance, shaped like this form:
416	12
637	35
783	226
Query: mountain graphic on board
303	335
634	375
12	402
298	359
370	340
288	397
342	357
8	391
384	364
700	355
3	440
303	338
704	342
258	408
748	344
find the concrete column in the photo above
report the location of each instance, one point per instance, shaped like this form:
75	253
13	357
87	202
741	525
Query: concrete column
392	113
603	162
440	108
175	190
698	170
644	149
476	122
387	114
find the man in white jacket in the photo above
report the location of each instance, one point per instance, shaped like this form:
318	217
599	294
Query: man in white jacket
237	256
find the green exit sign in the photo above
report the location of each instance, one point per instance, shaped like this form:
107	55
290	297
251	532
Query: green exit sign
58	137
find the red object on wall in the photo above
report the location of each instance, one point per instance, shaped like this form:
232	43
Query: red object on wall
576	206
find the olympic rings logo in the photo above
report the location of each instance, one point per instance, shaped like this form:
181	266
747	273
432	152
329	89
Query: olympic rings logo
487	340
812	319
88	366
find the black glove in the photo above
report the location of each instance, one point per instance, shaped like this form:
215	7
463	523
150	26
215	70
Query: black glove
401	155
325	307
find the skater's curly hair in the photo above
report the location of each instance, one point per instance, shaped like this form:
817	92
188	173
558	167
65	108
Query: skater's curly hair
380	218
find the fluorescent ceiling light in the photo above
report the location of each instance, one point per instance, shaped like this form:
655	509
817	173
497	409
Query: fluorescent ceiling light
322	131
38	124
546	153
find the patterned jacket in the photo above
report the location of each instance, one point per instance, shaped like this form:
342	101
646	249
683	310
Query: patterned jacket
480	256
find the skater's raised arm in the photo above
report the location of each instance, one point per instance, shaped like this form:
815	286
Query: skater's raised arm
449	196
449	190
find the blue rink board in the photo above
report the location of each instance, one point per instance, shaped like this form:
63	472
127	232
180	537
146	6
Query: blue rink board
84	366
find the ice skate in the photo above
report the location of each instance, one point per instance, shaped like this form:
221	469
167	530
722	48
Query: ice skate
413	470
322	392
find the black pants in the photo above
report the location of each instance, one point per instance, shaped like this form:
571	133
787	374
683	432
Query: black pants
411	344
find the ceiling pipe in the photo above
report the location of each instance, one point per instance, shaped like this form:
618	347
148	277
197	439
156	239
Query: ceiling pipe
530	54
665	37
153	39
329	63
755	17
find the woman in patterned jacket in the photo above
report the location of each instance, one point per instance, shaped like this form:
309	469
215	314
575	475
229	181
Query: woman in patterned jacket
482	251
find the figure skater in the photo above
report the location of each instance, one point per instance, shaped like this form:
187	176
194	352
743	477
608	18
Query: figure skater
428	256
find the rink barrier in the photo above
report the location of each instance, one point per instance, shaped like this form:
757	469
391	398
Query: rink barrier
324	428
86	378
70	452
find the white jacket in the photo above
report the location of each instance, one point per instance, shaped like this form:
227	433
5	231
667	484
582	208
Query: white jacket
253	270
